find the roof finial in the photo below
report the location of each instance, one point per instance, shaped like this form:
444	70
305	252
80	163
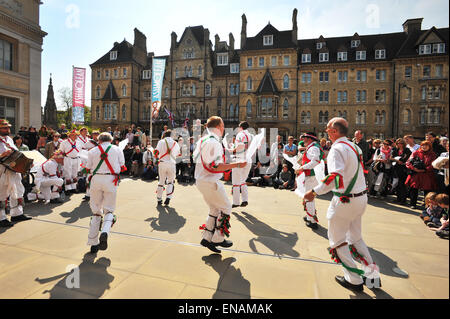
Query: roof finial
50	79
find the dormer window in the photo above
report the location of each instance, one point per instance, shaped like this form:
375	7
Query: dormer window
268	40
323	57
222	59
146	74
425	49
380	54
439	48
113	55
355	43
320	45
360	55
306	58
342	56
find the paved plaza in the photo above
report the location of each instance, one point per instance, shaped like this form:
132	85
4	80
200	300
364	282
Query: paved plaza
155	252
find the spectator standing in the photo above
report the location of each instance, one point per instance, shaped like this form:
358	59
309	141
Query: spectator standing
62	129
410	143
130	136
43	134
382	167
290	150
137	165
400	155
116	133
19	143
363	145
52	146
421	176
436	145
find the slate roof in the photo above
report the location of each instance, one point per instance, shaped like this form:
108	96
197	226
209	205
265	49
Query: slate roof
110	93
281	39
267	84
124	54
409	48
197	31
234	57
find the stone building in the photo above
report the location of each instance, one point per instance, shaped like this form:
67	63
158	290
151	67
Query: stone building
21	40
384	84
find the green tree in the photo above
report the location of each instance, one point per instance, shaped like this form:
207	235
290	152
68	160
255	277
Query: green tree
65	95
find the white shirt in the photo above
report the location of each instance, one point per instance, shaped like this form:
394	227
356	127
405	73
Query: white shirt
8	140
148	156
50	167
210	151
90	144
115	158
66	147
83	141
243	138
343	161
174	150
313	154
413	148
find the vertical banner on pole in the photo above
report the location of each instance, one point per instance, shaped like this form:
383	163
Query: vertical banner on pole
78	95
158	69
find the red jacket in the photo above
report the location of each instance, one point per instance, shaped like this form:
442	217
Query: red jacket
425	181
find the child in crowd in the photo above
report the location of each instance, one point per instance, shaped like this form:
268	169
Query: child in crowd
432	212
442	228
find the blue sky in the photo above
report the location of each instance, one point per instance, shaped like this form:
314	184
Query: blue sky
81	31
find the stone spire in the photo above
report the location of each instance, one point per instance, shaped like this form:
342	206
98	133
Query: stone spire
50	108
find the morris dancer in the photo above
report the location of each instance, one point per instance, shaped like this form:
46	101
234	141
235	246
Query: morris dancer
10	181
240	175
83	138
48	176
210	165
347	181
166	153
106	163
311	157
90	144
71	147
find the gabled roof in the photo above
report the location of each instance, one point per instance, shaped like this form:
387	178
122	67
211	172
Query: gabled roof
124	54
281	39
409	47
426	34
267	85
110	93
197	31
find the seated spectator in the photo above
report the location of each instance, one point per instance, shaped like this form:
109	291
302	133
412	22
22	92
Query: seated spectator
19	143
150	169
443	201
432	213
284	180
137	166
128	153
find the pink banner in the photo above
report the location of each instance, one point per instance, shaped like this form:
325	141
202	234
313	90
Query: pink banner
78	87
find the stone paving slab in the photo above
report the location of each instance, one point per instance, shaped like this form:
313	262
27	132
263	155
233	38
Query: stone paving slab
155	253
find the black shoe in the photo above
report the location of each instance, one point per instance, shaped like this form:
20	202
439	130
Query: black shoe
103	241
20	218
94	249
305	218
244	204
167	201
210	246
375	283
6	224
344	283
159	202
234	206
311	225
225	243
86	198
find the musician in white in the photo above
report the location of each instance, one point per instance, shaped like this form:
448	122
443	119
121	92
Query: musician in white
90	144
166	153
105	162
210	165
347	182
240	175
10	181
71	147
48	177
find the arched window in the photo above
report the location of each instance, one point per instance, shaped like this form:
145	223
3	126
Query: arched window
231	112
249	109
208	90
186	71
237	89
231	89
97	112
97	92
176	73
377	117
363	117
303	118
406	116
166	91
383	117
124	90
236	112
286	82
423	116
124	113
358	117
286	109
249	84
308	117
193	89
207	111
200	70
342	114
114	111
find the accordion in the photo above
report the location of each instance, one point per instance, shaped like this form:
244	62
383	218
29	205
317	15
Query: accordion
17	162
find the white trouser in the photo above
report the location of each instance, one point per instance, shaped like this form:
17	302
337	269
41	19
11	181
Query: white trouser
103	202
167	171
378	181
11	186
238	178
310	207
216	198
46	187
71	167
344	226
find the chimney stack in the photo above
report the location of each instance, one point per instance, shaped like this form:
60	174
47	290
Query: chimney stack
216	44
294	27
231	42
412	25
173	43
243	31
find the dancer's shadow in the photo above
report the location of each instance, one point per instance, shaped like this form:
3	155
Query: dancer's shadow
234	283
281	243
94	279
168	220
82	211
386	264
36	208
321	231
379	294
